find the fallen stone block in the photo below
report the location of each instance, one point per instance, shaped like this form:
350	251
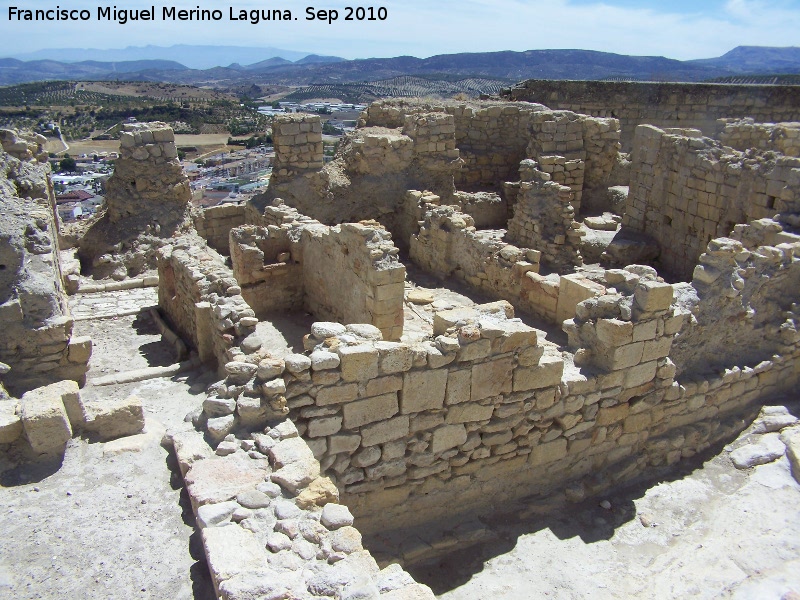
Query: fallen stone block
10	422
113	419
231	551
764	451
45	421
190	447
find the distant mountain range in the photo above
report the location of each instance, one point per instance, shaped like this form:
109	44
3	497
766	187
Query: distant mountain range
307	69
193	56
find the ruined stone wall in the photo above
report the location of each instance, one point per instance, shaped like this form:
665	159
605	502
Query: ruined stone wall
202	300
37	341
743	300
743	134
298	144
685	105
148	179
493	137
214	224
349	273
686	190
544	217
147	202
414	433
267	263
352	274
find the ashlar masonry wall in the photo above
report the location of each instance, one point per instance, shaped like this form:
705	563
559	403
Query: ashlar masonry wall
686	190
349	273
743	134
493	137
686	105
214	224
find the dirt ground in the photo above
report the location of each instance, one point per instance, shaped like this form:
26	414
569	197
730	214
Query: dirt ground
113	522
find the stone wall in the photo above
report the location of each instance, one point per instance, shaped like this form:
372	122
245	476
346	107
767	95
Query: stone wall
349	273
214	224
202	300
743	300
148	179
352	275
743	134
685	105
686	190
147	202
544	217
415	433
37	342
298	144
493	137
273	528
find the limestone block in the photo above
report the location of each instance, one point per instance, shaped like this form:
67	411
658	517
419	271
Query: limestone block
491	378
343	443
640	374
295	476
115	418
423	390
384	385
71	398
370	410
475	350
79	349
468	412
318	493
645	331
448	436
385	431
651	296
232	551
543	454
394	357
612	414
322	360
337	394
45	422
459	386
190	447
290	450
10	422
575	288
613	332
358	363
623	357
324	426
546	374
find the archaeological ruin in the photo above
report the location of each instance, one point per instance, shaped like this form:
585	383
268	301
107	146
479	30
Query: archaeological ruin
613	294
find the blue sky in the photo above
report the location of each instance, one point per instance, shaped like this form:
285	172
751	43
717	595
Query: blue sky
681	29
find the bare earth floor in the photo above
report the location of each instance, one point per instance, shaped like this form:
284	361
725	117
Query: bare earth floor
112	521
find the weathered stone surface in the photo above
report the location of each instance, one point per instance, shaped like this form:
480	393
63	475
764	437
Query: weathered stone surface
319	492
219	479
465	413
45	422
115	418
231	551
546	374
448	436
190	447
322	360
370	410
768	448
791	439
211	515
423	390
491	378
297	363
10	422
385	431
295	476
359	363
335	516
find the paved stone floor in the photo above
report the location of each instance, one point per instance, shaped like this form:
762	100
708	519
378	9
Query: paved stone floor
112	304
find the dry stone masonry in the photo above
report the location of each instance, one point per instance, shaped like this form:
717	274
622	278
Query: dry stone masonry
369	425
